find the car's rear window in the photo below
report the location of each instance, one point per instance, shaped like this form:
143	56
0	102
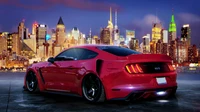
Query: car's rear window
117	50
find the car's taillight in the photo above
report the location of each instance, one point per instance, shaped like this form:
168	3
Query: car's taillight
134	68
171	68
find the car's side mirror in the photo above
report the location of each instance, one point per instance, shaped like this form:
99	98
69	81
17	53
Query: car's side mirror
51	59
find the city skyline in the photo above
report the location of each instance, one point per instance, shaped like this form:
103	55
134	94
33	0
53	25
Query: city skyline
85	15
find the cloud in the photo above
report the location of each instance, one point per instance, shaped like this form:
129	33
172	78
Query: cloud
78	4
143	26
189	18
194	22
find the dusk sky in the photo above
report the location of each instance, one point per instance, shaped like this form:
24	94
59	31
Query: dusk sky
135	15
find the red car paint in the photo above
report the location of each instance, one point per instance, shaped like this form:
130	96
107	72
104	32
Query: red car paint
67	76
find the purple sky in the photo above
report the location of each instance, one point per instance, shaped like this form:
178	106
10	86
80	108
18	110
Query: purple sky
135	15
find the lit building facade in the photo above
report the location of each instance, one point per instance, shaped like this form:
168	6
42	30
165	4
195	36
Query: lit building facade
41	33
146	44
75	33
165	36
16	43
159	47
60	33
156	32
156	36
192	54
183	51
172	50
134	44
110	27
3	42
172	39
172	29
105	36
186	34
9	43
34	28
116	31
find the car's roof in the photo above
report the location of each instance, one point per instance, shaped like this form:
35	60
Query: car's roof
90	46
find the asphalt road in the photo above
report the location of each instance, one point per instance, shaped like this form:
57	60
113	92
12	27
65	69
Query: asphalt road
14	99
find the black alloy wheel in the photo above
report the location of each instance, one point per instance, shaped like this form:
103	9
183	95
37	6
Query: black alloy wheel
31	82
93	89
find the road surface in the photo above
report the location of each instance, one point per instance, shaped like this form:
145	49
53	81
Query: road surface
14	99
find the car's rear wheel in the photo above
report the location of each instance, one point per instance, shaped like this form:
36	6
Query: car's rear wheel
32	82
93	89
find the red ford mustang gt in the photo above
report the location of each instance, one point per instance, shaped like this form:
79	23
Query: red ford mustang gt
100	72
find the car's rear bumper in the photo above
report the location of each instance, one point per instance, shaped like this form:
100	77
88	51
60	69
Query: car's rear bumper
143	94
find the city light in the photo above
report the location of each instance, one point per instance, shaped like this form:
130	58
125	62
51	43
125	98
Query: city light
42	25
187	25
44	42
48	37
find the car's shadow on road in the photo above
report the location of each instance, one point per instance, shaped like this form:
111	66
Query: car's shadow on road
62	98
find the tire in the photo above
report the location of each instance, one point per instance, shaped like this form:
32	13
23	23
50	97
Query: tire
32	83
92	88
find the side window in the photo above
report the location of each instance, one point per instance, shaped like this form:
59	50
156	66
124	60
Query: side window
76	54
88	54
66	54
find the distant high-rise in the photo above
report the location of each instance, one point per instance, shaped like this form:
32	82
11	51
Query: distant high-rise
34	27
146	43
172	29
105	36
164	49
172	39
165	36
23	31
75	33
111	28
60	33
156	36
156	32
41	33
116	31
110	23
186	34
3	41
134	44
192	54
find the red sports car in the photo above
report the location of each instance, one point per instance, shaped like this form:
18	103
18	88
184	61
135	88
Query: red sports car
100	72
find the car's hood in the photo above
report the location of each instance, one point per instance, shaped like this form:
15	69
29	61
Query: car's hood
39	64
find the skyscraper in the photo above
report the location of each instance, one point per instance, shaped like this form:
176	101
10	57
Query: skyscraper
116	31
75	33
192	54
156	36
146	44
3	41
172	29
60	33
41	32
164	42
172	39
186	34
165	36
16	43
34	27
156	32
105	36
110	27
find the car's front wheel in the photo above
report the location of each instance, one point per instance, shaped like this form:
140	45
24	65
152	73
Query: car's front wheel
32	82
93	89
